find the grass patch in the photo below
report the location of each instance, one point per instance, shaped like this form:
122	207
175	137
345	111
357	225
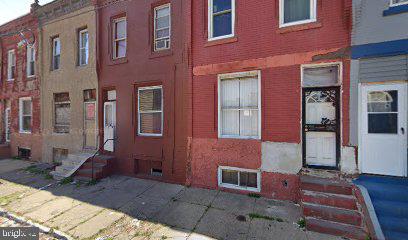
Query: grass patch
48	176
67	180
17	158
301	223
92	182
259	216
6	200
254	195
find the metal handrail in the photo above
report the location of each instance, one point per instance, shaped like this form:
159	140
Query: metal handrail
100	148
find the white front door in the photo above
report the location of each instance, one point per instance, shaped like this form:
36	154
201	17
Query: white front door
109	124
383	129
7	124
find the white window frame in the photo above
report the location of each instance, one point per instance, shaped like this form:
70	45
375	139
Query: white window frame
313	14
20	114
240	75
29	56
211	22
115	21
237	187
392	4
141	112
80	47
10	64
155	29
56	39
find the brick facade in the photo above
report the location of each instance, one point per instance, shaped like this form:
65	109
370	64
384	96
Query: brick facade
278	53
21	86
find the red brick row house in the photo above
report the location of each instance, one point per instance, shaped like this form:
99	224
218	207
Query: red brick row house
270	93
20	89
144	71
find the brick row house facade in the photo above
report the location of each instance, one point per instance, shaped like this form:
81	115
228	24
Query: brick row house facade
254	97
20	123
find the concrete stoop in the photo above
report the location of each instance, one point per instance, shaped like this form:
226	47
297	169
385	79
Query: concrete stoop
70	165
330	206
102	168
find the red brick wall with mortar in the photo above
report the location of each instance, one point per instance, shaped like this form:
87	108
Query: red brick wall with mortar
22	86
261	45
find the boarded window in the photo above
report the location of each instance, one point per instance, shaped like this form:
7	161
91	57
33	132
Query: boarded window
62	113
150	111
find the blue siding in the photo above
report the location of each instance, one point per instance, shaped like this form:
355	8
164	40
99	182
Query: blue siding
383	49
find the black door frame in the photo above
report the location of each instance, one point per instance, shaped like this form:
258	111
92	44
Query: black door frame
331	127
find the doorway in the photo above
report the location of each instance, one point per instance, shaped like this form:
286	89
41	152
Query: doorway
109	121
90	131
383	129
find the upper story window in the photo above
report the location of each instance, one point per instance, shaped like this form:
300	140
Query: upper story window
293	12
162	27
119	38
150	110
56	53
11	65
398	2
25	114
239	106
83	46
221	19
30	60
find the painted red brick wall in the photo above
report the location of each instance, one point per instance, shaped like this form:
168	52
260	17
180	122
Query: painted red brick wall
22	86
259	44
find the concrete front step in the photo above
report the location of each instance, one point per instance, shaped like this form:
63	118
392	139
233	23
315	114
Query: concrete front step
324	185
334	228
333	214
329	199
96	165
87	173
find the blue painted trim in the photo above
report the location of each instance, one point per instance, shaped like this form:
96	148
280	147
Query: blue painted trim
382	49
396	10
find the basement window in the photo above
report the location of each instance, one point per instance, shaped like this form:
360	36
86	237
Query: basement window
241	179
59	154
24	153
156	172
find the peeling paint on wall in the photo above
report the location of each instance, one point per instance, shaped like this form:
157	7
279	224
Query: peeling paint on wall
348	163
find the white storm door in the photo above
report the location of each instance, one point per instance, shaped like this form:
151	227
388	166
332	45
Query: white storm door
383	129
109	123
7	124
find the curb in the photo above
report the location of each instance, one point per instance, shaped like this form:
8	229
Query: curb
43	229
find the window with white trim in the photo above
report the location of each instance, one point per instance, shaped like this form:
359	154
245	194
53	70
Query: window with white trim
30	60
56	53
221	19
237	178
293	12
25	114
398	2
239	105
11	65
150	111
119	37
83	46
162	27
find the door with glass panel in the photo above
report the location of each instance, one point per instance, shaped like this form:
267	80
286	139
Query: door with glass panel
109	125
383	129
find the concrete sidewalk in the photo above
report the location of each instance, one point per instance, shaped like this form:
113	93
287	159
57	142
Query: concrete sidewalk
127	208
